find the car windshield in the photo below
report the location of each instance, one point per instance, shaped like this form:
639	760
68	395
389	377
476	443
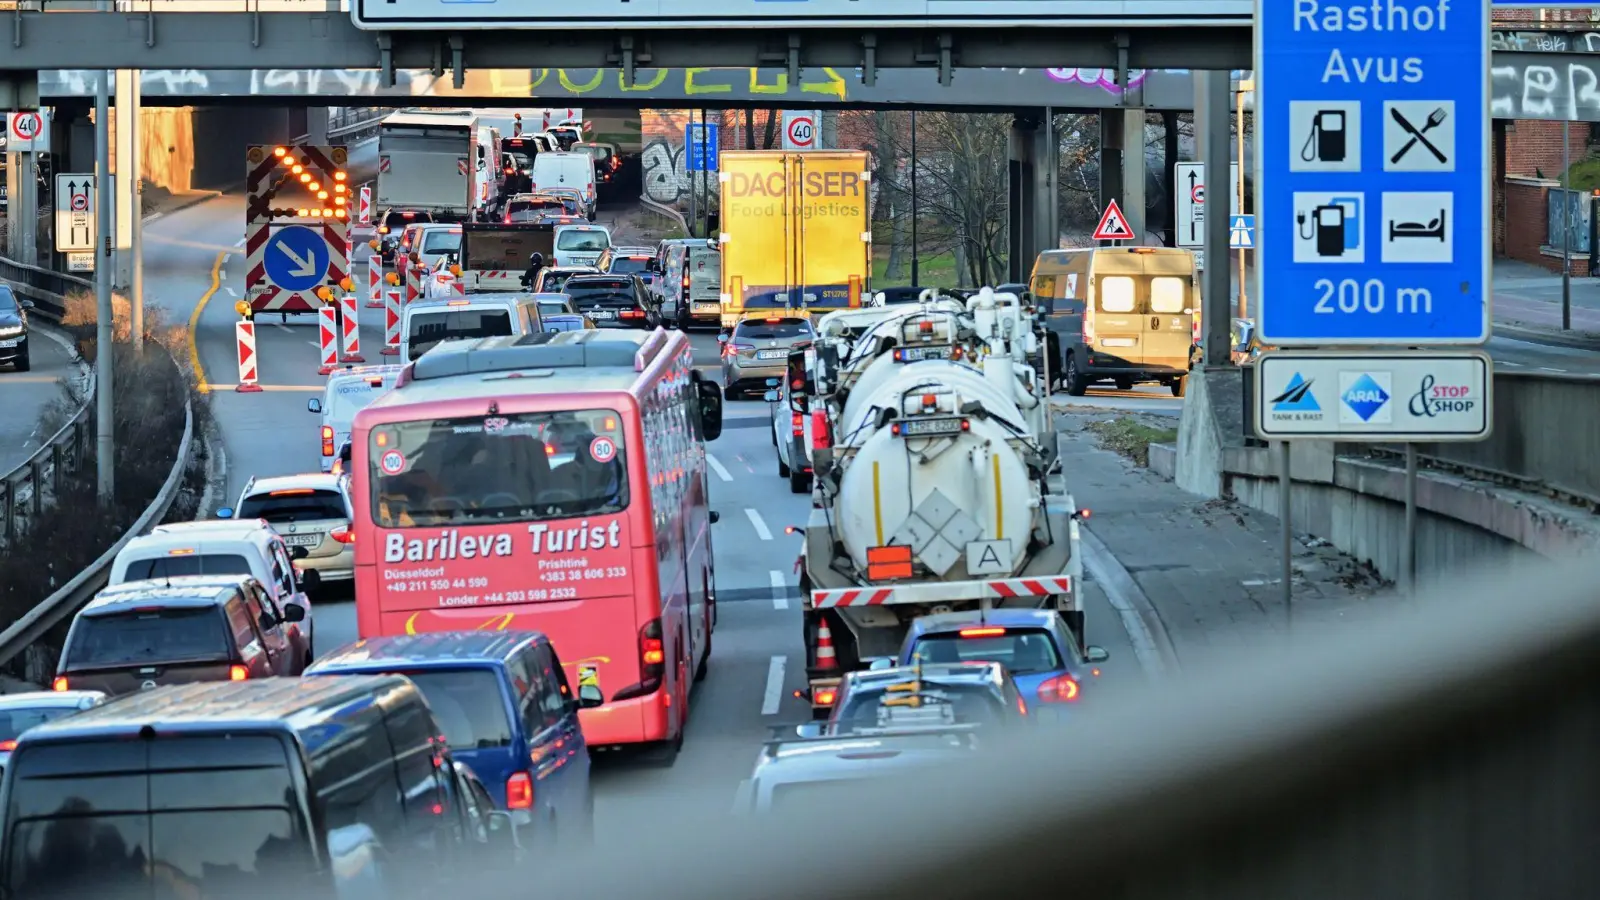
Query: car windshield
553	281
429	328
627	265
768	330
8	302
167	566
294	505
971	704
467	704
14	722
139	637
536	205
583	241
441	240
499	468
612	293
1022	651
522	158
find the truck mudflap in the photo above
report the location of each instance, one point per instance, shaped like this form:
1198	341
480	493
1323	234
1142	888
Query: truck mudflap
948	591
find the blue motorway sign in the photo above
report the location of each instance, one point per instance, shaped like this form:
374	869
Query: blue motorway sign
1373	171
700	147
1241	232
296	258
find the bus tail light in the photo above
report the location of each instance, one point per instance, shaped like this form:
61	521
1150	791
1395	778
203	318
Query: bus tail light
327	440
652	663
519	791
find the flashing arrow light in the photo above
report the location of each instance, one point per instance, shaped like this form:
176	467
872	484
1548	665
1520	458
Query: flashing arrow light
334	198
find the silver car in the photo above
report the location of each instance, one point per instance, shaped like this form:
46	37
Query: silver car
802	768
758	349
19	712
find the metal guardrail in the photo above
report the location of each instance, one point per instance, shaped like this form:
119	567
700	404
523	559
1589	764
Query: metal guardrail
670	212
47	289
355	123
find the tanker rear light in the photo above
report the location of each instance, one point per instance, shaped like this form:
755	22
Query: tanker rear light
925	327
889	562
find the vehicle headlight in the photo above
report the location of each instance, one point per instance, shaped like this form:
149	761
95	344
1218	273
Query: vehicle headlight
10	331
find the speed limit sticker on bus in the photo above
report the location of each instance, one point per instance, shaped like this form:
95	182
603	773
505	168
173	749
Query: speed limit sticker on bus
602	449
392	463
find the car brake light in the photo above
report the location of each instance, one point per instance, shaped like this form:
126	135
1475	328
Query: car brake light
1060	689
327	440
59	684
238	673
291	492
7	746
519	791
797	422
408	215
824	696
345	535
982	632
774	320
633	314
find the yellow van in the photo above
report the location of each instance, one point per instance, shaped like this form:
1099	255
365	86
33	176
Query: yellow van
1123	315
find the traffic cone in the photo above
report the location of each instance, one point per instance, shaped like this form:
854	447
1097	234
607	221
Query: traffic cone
825	656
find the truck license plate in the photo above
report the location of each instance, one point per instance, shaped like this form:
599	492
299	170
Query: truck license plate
918	354
931	427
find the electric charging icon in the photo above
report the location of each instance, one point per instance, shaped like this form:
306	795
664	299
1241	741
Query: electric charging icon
1325	136
1328	228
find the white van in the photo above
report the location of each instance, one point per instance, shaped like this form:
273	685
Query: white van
429	322
231	547
581	245
571	170
349	391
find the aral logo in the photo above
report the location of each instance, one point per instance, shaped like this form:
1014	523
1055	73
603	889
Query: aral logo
1365	397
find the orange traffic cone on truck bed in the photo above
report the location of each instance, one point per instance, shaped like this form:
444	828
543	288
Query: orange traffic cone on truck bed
825	656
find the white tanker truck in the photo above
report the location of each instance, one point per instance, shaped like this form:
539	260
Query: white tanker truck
938	486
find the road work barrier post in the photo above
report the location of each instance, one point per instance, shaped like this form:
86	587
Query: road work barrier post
364	207
391	322
244	338
352	329
374	281
328	338
413	284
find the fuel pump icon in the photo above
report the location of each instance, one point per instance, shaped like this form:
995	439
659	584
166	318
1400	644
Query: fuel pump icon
1332	226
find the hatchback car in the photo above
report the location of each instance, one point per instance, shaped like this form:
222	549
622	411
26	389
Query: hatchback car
144	634
627	261
758	349
528	207
313	514
19	712
502	700
1034	646
613	301
571	198
553	278
14	330
974	693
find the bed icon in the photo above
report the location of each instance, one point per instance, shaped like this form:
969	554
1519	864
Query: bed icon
1416	227
1433	228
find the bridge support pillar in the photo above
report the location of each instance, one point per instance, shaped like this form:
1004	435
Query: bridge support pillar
317	125
1213	107
1122	165
125	167
1033	223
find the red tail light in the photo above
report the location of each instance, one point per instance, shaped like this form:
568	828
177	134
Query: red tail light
797	421
820	438
982	632
686	282
7	746
345	535
59	684
824	696
327	440
633	314
519	791
652	654
1060	689
238	673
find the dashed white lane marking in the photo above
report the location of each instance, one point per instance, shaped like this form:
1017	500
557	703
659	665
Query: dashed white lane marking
239	243
717	467
223	274
1548	369
758	524
281	326
232	292
774	693
780	589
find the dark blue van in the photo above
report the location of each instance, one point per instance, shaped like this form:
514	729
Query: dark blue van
507	710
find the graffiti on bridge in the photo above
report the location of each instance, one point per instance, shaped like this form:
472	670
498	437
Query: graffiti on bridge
1569	90
666	179
1545	41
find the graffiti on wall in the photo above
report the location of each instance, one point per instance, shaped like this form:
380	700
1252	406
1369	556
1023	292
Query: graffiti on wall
1546	41
1567	90
666	180
1104	79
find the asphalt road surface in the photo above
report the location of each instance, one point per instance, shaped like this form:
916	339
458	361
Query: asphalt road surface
24	396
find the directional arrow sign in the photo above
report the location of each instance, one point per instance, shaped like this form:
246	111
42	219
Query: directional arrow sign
296	258
1190	200
75	212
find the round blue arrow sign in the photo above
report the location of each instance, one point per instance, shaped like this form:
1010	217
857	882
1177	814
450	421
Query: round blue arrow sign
296	258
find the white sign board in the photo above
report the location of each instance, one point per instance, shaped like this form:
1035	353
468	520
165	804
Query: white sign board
802	129
1189	197
28	131
80	262
75	212
1377	396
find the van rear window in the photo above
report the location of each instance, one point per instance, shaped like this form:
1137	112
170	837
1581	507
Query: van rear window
431	328
1116	294
179	566
181	634
467	704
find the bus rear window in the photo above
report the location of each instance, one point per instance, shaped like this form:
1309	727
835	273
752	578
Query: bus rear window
506	468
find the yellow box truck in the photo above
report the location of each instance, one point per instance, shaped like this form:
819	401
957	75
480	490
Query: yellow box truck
796	231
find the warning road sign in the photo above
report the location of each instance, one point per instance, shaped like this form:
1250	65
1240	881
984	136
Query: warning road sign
1113	225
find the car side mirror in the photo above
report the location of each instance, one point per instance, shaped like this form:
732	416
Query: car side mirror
772	396
294	612
589	696
710	408
310	579
882	662
502	830
809	729
27	304
225	513
314	404
1093	654
722	338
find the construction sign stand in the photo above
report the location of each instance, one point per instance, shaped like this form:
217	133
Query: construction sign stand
328	339
352	329
413	284
391	322
292	246
244	335
364	207
1113	225
374	282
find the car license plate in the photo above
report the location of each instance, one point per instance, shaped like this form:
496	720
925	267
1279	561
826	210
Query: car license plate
302	540
931	427
707	307
918	354
771	354
602	314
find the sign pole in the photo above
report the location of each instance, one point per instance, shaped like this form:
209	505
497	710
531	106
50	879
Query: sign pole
1285	535
105	438
136	226
1408	546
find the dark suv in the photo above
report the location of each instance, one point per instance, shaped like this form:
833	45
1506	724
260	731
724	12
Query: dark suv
613	301
143	634
14	329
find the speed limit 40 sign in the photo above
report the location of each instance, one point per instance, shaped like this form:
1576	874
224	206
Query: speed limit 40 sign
800	129
26	131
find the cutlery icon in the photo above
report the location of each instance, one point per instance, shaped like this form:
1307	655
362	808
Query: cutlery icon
1435	119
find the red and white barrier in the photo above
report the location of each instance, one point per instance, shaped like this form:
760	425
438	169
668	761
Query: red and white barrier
374	282
351	341
364	206
391	322
414	276
244	336
328	338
